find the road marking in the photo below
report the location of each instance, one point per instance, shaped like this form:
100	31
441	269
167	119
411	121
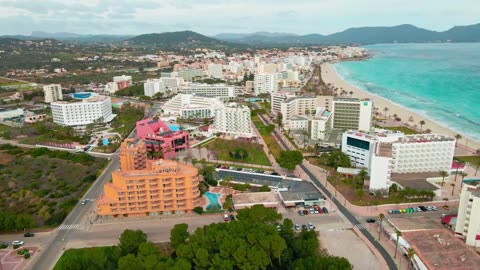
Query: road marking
68	227
360	226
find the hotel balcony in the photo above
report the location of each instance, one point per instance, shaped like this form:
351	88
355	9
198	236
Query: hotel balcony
167	181
180	186
154	186
140	186
155	197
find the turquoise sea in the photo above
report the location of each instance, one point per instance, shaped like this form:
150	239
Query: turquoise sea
439	81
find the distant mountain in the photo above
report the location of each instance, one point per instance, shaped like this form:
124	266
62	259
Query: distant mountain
364	35
182	39
66	36
237	36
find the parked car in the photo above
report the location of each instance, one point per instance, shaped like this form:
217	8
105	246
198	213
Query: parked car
239	169
29	234
311	226
232	217
316	211
84	202
442	215
305	212
304	227
418	209
325	210
3	244
446	207
274	173
300	212
279	228
371	220
297	227
226	218
312	211
423	208
17	243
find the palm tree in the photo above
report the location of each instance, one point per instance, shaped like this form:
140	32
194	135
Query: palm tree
421	124
443	174
385	112
458	137
410	254
351	93
463	175
241	153
362	174
399	233
381	216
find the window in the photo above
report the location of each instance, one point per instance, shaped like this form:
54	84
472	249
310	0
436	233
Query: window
358	143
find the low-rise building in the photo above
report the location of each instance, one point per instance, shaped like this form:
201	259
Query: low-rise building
247	200
111	88
144	187
321	125
86	108
123	81
4	114
158	136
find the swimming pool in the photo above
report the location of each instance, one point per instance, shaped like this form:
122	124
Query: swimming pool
174	127
105	141
467	180
213	199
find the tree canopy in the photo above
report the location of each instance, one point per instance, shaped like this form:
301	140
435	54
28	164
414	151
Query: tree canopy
290	159
251	242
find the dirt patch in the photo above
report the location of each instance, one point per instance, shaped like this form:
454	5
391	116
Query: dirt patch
5	158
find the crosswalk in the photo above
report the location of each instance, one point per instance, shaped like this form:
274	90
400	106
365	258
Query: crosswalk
359	226
68	227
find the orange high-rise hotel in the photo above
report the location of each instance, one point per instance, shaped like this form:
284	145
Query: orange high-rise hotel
144	187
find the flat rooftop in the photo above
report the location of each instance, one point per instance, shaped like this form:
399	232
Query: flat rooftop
422	138
415	180
439	249
254	198
414	223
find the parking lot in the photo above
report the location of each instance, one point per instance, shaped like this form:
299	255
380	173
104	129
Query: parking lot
11	261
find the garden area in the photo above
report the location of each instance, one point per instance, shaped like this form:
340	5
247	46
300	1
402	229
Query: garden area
253	241
266	133
239	151
405	130
127	117
474	160
45	192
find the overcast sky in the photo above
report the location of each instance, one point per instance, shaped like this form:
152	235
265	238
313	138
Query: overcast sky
229	16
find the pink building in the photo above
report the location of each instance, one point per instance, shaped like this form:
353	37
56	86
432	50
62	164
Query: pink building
159	135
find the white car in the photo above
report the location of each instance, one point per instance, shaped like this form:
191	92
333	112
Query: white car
17	243
434	208
311	226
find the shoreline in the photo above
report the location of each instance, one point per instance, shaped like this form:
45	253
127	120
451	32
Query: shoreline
330	75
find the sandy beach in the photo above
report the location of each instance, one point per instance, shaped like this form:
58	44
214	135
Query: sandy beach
330	75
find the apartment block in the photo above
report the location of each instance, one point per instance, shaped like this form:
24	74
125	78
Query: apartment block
215	71
278	98
468	217
52	92
192	106
233	120
144	187
189	74
266	83
153	86
321	124
352	113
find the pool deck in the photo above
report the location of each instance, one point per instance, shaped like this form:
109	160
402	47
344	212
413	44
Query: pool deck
221	199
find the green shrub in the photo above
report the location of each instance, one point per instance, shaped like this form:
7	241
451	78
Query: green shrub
26	255
198	210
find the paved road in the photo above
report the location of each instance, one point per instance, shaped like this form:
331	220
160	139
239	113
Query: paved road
53	249
341	208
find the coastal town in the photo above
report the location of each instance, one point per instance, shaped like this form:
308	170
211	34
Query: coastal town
210	136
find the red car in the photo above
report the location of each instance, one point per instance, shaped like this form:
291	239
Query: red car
226	218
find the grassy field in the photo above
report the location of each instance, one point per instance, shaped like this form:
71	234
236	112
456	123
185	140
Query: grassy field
44	184
470	159
407	131
272	144
231	151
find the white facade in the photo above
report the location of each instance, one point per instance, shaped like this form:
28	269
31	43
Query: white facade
298	123
386	152
215	71
266	83
53	92
220	91
352	113
11	113
172	83
468	218
192	106
189	74
298	106
321	125
83	112
277	98
233	120
153	86
111	88
123	78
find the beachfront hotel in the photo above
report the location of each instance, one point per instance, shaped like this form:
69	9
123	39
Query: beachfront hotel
220	91
352	113
468	217
384	152
144	187
192	106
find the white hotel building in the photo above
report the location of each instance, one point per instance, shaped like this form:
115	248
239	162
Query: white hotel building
83	112
266	83
386	152
220	91
192	106
352	113
233	120
468	217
